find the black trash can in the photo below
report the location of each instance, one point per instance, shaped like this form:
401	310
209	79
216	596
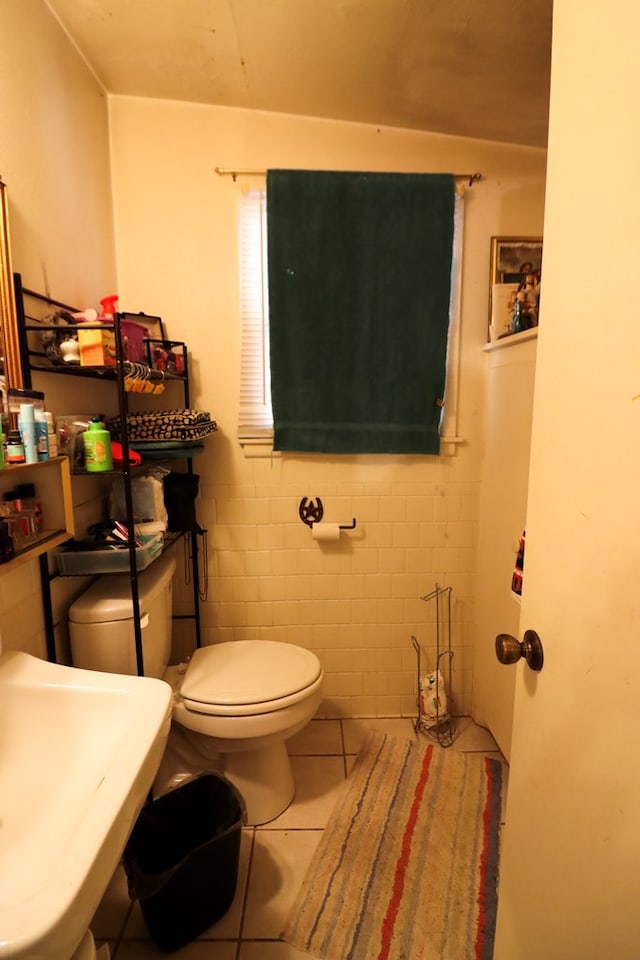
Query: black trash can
182	858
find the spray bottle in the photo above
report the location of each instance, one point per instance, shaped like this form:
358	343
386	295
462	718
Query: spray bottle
108	305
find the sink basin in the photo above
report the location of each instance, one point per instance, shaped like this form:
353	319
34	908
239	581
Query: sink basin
78	753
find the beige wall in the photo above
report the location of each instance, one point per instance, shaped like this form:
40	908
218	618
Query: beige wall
501	519
355	603
54	158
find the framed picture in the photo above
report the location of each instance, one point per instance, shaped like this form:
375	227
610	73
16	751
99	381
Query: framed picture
515	277
166	355
154	325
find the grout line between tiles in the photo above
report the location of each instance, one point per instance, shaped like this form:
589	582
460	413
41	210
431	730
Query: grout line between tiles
344	751
117	940
245	896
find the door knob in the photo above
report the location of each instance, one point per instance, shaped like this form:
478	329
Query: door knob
509	649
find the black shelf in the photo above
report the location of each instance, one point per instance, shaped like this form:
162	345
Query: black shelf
32	308
92	373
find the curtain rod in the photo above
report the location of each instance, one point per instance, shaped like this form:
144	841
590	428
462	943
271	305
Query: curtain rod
244	172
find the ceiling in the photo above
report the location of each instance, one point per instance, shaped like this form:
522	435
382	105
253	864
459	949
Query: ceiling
472	68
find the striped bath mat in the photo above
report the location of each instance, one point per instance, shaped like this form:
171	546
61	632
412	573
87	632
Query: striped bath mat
407	866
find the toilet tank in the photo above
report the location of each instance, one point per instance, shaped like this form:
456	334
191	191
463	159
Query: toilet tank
101	627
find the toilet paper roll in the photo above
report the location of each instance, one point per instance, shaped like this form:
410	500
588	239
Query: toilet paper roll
325	531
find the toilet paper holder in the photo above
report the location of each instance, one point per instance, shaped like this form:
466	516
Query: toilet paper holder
311	512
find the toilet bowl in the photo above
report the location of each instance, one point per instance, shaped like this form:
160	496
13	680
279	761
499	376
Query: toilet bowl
245	698
238	702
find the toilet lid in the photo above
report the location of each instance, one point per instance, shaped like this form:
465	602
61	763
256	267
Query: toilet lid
242	672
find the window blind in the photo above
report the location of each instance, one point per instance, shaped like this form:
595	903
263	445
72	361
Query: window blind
255	419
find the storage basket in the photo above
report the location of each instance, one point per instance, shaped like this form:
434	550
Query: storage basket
165	425
72	562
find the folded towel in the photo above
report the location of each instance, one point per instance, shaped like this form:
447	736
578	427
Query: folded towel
164	425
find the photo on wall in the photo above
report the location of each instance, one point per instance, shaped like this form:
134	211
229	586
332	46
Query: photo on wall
514	285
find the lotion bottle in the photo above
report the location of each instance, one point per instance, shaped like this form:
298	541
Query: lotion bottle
42	436
27	428
97	447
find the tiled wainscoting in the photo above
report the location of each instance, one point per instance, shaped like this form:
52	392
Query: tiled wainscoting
355	602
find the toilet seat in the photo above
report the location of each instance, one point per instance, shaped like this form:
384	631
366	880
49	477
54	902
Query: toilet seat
248	677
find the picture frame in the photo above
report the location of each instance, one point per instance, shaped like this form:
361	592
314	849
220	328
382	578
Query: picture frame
512	260
10	361
168	356
154	325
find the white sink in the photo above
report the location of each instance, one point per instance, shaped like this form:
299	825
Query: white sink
78	753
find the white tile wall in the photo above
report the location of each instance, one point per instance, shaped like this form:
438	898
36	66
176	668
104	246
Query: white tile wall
21	611
21	616
355	602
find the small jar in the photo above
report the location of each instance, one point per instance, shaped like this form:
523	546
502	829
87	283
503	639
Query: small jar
15	447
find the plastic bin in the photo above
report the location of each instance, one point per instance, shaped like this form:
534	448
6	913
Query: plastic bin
182	858
87	562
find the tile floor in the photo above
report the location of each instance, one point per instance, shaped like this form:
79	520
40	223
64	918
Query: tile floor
274	857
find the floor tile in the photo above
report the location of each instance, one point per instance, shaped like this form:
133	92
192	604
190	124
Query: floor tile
280	862
470	737
356	730
110	917
319	781
274	858
271	950
200	950
318	737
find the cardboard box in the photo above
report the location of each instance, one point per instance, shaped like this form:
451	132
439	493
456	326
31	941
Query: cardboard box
97	347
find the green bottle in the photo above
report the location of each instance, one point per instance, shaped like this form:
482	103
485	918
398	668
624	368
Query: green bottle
97	447
517	324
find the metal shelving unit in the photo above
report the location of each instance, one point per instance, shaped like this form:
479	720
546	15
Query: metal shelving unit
31	308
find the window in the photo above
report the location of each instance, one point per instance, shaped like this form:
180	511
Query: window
255	423
255	417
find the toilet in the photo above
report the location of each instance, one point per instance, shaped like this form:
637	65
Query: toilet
235	703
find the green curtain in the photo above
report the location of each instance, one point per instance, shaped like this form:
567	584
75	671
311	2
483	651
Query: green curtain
359	291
